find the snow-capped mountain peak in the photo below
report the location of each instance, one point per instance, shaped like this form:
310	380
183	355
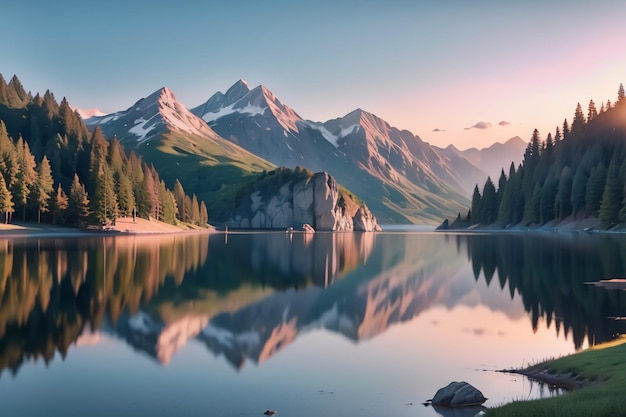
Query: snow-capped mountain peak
151	116
240	100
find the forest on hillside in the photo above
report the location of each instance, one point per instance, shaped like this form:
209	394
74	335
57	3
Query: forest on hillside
579	172
54	170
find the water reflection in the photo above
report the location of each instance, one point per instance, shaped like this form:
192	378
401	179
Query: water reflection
250	296
549	270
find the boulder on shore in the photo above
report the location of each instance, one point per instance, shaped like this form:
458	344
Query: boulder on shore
458	394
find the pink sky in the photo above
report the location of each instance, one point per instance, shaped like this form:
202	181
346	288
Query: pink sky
422	66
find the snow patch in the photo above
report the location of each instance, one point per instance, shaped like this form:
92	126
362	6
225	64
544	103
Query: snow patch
348	130
225	111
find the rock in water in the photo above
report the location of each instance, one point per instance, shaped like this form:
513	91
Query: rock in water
458	394
270	412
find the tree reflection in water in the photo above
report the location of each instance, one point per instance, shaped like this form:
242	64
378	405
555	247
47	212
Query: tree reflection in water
157	292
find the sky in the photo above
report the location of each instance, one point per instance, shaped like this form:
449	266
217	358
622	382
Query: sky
468	73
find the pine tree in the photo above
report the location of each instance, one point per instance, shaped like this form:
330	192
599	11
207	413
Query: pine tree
563	207
6	200
4	93
620	93
595	188
157	205
126	199
547	200
565	130
532	214
188	210
17	96
60	206
557	135
578	123
505	210
579	190
104	201
592	112
43	188
549	144
501	187
613	194
148	205
489	203
9	165
195	210
204	214
26	175
168	204
179	195
78	202
476	205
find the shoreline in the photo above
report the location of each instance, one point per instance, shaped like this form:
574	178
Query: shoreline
543	374
589	225
594	381
123	226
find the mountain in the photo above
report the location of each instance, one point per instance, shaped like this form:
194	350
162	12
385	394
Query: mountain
400	177
149	118
224	175
259	122
182	146
497	156
473	166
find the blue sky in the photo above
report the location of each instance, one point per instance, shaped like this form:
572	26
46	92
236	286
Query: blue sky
435	68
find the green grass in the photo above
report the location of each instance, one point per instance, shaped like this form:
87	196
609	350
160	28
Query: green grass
604	393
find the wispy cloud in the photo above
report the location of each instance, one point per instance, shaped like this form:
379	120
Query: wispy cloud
480	125
504	123
439	130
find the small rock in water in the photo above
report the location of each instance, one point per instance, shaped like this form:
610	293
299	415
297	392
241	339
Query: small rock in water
458	394
270	412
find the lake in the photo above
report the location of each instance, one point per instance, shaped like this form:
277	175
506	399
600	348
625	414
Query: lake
343	324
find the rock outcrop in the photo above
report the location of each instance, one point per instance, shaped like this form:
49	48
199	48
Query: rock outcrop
315	200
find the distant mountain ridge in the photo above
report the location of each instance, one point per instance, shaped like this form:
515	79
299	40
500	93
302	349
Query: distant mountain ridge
490	161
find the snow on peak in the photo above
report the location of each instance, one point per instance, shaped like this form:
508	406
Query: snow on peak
256	102
162	107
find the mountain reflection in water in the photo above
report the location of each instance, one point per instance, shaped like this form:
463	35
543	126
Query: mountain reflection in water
247	296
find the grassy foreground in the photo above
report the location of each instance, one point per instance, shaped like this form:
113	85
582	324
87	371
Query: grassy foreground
603	367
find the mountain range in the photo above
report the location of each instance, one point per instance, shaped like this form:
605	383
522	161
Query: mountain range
399	176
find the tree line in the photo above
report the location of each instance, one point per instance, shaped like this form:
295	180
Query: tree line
579	172
54	170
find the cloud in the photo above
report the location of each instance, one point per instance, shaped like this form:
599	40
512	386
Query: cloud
480	125
504	123
439	130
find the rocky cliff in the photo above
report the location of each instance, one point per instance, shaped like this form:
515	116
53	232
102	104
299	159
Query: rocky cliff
297	199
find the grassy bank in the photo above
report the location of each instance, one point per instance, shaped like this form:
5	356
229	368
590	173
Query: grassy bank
602	371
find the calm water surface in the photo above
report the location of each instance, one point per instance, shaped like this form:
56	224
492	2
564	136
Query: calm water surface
309	325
